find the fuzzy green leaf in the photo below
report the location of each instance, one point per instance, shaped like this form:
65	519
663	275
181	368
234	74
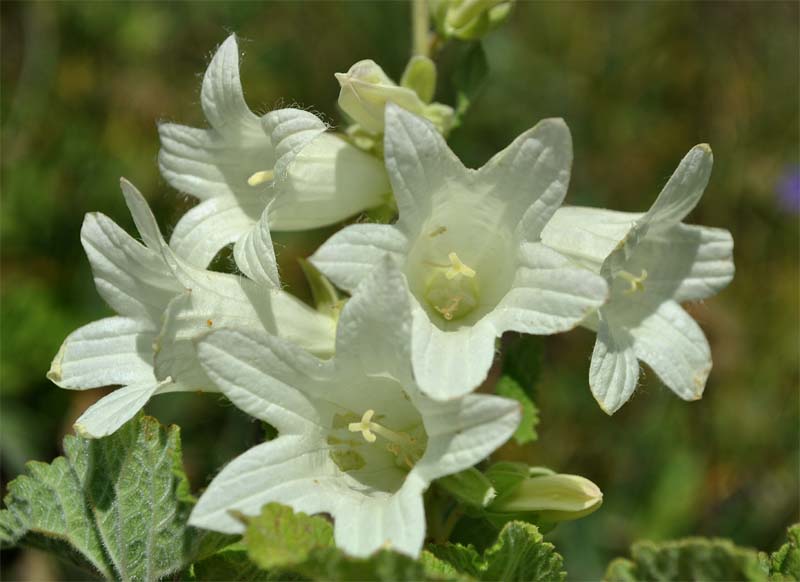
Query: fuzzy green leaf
526	431
117	506
233	563
520	553
279	538
784	564
293	545
689	559
469	486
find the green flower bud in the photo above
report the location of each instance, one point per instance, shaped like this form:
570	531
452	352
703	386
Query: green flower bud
553	497
469	19
365	90
420	77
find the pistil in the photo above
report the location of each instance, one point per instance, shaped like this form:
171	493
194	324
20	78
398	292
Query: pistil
636	283
401	445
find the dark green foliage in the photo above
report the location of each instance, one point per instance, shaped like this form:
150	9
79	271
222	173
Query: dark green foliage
520	553
696	559
117	506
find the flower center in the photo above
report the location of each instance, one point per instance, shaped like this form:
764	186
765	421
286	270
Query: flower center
452	289
402	445
636	283
260	177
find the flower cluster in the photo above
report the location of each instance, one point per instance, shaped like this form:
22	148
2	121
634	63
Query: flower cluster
374	400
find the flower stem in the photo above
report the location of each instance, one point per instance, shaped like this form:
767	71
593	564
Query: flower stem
420	28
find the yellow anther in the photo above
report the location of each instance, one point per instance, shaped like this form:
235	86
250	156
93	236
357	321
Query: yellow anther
364	426
458	268
260	177
636	283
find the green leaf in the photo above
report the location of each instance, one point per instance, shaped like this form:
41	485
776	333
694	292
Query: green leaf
520	553
689	559
117	506
233	563
784	564
469	74
384	565
295	544
526	431
278	537
469	486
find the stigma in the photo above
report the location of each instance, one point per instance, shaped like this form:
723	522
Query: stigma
636	283
457	268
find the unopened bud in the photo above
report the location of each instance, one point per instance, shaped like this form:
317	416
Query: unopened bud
554	497
469	19
365	90
420	77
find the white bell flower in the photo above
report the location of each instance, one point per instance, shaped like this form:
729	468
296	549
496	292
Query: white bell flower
357	439
242	162
652	263
142	282
468	243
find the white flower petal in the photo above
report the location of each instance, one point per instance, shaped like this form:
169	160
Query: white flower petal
419	163
222	96
114	350
674	346
614	371
365	524
449	364
374	331
109	413
549	294
464	431
206	164
290	130
348	256
211	225
259	373
293	470
685	262
683	190
327	181
134	280
216	162
588	235
530	177
255	255
241	305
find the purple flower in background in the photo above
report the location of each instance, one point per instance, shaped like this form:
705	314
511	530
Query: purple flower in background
788	190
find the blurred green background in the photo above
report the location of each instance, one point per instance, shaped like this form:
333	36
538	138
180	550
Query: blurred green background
83	85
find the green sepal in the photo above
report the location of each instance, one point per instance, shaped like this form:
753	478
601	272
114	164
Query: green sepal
470	487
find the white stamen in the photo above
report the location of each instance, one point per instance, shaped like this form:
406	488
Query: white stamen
260	177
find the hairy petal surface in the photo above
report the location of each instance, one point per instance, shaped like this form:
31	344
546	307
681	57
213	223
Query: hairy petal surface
549	294
114	350
349	256
614	371
674	346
